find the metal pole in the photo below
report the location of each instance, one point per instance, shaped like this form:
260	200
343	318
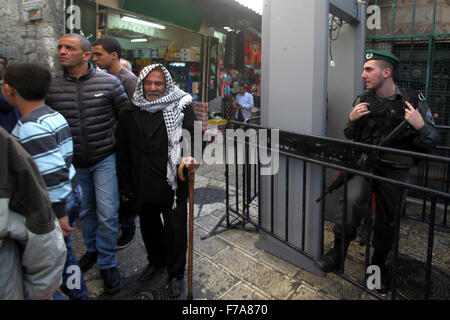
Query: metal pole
430	249
394	6
286	226
322	209
344	222
430	52
396	244
191	235
304	206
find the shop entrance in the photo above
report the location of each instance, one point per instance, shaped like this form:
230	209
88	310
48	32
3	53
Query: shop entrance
144	43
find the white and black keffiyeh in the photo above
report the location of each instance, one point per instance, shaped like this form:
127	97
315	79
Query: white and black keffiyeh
172	104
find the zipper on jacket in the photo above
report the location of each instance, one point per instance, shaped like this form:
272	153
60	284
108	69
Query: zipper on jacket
84	154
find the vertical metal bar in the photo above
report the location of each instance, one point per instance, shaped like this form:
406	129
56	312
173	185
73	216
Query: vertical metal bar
430	248
304	206
433	28
394	7
344	222
272	204
396	243
375	29
322	210
413	28
429	66
237	174
227	192
255	176
244	183
427	168
286	226
446	200
259	192
249	185
369	226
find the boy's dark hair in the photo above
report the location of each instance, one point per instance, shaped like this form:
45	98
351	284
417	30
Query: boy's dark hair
32	81
110	45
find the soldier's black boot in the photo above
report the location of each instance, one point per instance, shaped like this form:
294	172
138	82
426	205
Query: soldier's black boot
331	261
379	259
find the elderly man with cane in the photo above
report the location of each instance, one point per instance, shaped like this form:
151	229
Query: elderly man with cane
149	140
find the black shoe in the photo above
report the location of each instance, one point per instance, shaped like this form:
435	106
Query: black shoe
87	261
176	286
111	280
331	261
150	273
125	239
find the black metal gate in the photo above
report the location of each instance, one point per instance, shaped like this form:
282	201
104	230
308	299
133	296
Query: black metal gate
421	275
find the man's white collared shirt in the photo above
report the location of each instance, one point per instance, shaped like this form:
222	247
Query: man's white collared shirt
246	101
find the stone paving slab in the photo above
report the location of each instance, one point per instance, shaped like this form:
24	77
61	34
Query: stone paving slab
210	281
242	291
270	281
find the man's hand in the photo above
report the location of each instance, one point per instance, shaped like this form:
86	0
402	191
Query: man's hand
238	106
65	226
191	164
413	116
359	111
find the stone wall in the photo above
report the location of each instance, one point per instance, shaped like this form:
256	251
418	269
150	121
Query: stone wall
22	40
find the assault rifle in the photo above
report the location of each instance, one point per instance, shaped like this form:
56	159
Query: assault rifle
339	180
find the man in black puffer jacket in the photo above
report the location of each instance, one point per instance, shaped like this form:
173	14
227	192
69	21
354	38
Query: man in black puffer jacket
90	101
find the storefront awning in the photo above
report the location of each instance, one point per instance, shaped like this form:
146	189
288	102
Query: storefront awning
178	12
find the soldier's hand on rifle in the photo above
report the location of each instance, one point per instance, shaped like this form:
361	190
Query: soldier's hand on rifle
359	111
413	116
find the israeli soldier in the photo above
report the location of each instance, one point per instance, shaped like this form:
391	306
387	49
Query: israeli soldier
375	114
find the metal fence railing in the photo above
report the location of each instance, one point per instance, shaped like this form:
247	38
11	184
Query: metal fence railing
426	263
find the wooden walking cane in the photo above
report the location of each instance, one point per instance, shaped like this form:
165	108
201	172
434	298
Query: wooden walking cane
191	226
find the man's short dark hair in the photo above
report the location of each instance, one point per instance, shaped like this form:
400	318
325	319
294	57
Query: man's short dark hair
383	64
110	45
32	81
4	58
85	44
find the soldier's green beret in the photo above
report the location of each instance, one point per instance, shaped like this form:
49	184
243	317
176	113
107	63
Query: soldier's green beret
382	55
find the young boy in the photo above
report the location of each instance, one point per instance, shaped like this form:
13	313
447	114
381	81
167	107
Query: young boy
45	134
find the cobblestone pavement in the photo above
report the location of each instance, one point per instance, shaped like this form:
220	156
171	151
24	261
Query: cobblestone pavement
228	266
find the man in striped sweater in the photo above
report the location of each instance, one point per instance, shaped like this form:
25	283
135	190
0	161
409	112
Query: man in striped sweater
45	134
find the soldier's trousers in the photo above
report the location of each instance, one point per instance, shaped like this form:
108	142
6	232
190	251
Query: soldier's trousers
389	202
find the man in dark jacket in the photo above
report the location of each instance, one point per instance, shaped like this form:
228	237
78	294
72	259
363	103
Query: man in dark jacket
148	151
107	52
375	114
90	102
